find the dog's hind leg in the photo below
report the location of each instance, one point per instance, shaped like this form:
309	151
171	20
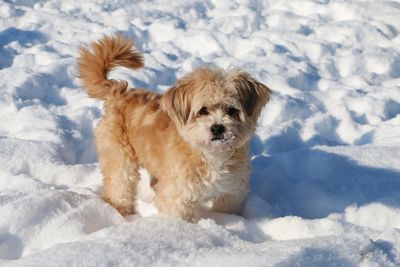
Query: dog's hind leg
118	163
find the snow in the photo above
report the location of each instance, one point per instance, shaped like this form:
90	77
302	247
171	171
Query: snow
325	187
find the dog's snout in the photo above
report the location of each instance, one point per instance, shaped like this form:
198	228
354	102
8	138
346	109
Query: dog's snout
217	129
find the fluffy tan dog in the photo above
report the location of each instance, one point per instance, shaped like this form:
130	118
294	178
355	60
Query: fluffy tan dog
193	140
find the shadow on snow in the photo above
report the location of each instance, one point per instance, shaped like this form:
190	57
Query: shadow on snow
312	183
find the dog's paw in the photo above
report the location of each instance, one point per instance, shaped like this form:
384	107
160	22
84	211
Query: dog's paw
125	210
192	218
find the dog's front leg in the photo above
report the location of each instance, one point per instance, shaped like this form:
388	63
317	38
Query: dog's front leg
228	203
177	208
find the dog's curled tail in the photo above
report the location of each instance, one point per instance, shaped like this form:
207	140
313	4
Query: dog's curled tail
95	62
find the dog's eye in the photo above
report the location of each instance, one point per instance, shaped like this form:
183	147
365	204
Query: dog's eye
232	111
203	111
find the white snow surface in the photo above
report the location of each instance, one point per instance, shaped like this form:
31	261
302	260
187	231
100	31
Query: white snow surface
325	188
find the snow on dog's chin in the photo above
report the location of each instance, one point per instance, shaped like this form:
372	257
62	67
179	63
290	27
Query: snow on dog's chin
226	142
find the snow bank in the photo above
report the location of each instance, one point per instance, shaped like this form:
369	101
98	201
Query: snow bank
326	169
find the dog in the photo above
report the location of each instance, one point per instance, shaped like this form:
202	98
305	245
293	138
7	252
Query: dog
193	140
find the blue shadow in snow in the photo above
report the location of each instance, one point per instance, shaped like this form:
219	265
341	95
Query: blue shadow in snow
23	37
311	257
305	81
312	183
77	149
11	247
41	86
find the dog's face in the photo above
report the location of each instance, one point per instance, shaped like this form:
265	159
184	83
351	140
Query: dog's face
216	110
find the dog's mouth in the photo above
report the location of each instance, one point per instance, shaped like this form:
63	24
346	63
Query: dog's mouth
218	138
221	140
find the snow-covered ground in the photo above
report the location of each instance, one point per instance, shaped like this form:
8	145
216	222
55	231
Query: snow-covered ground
326	156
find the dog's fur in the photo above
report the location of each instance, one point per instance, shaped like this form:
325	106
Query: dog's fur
170	135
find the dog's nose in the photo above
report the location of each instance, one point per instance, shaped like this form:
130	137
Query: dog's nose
217	129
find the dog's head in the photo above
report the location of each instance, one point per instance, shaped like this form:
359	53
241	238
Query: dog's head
214	109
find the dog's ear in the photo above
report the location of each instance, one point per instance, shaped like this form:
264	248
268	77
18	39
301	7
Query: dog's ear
176	102
252	94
